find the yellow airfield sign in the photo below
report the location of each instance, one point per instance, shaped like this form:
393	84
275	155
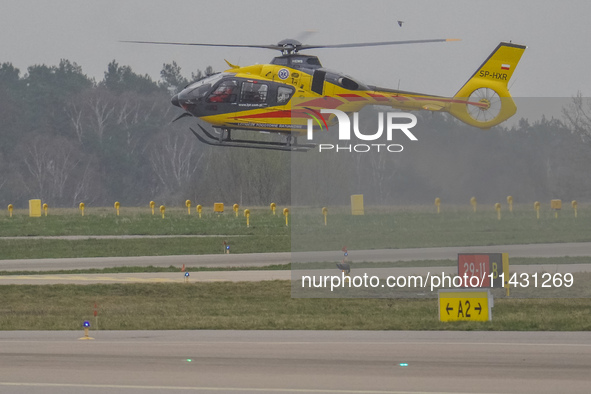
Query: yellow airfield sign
465	305
35	208
357	204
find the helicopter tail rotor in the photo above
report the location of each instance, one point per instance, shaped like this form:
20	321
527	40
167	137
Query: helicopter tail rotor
484	101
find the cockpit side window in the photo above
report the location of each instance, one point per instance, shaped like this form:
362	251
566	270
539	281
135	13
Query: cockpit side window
226	92
284	94
254	92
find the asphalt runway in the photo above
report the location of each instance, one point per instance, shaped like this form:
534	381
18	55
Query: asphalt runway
259	275
262	259
294	362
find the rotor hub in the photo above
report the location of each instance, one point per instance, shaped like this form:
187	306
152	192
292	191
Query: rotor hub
486	102
289	46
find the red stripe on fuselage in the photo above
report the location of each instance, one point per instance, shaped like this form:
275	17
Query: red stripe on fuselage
351	97
322	102
378	97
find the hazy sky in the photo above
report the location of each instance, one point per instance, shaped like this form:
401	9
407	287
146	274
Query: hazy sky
557	33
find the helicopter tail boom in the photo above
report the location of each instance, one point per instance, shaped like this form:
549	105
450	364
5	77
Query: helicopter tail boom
484	100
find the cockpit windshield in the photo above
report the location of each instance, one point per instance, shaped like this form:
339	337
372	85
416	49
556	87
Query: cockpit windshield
199	89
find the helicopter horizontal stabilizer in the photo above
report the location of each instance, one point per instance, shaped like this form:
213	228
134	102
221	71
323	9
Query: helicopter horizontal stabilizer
484	100
227	141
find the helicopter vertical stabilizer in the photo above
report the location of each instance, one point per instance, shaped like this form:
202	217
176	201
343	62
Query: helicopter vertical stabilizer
487	93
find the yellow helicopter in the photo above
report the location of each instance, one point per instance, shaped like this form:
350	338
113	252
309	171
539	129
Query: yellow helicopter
280	97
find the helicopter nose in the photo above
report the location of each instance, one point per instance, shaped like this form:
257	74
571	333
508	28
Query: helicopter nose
175	100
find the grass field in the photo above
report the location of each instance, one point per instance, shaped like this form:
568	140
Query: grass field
61	248
268	305
139	221
422	227
398	227
257	306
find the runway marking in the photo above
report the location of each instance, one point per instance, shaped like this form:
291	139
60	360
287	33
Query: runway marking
100	279
89	279
226	389
85	237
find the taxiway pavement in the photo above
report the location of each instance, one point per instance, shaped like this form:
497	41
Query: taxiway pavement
262	259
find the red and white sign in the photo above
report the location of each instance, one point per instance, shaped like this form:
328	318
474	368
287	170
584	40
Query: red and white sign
474	265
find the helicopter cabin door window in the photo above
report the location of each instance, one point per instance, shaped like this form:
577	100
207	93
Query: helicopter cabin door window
226	92
254	92
284	94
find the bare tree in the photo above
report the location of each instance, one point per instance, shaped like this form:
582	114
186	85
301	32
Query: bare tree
85	185
102	107
75	113
578	116
175	158
51	163
135	112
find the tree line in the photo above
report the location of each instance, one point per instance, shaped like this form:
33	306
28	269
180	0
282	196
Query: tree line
67	138
531	161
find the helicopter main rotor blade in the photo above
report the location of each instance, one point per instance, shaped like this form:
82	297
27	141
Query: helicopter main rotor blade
206	45
374	44
305	34
294	45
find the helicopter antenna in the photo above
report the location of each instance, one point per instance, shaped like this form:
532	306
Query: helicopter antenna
512	83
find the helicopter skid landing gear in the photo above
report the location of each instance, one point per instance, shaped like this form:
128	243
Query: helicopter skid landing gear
225	139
